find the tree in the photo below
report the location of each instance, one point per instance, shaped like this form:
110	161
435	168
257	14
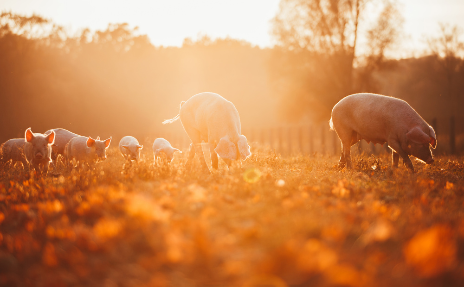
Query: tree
328	29
448	50
380	37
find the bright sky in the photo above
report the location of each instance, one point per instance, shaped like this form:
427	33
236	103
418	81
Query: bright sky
168	22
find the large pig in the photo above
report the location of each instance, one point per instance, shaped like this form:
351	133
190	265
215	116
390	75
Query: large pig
382	119
211	118
130	148
162	147
34	150
86	150
62	137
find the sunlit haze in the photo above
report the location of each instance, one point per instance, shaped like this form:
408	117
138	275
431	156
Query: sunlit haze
168	23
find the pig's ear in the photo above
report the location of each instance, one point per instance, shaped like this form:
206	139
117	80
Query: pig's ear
29	135
90	142
226	149
140	146
107	142
51	138
433	142
433	138
243	147
125	146
98	138
177	150
416	135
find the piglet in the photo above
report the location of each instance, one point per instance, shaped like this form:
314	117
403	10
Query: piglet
162	148
130	148
382	119
86	150
34	150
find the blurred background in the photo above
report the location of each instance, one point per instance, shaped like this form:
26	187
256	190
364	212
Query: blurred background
117	68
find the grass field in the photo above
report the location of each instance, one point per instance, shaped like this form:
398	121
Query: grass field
296	221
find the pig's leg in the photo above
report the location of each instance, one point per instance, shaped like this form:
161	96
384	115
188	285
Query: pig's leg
228	162
407	161
347	138
199	151
191	155
395	159
195	136
347	152
342	161
397	147
214	156
67	164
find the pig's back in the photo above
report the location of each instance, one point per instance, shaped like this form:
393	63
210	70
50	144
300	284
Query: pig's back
13	149
160	143
372	104
374	116
210	112
77	148
127	140
62	137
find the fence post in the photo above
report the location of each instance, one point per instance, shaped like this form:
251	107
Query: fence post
289	141
281	140
311	140
252	135
271	138
322	139
263	137
452	136
300	140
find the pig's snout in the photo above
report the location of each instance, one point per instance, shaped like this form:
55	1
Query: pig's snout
38	155
430	160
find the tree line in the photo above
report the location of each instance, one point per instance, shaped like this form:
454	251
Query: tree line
115	82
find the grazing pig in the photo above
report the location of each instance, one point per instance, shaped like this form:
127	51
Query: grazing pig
382	119
62	137
130	148
34	151
86	150
162	148
211	118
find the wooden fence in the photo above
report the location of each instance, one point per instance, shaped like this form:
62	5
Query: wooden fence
318	138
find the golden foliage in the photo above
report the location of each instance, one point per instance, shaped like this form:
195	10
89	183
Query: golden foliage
296	221
431	251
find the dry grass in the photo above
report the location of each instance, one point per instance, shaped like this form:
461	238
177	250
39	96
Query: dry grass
297	221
